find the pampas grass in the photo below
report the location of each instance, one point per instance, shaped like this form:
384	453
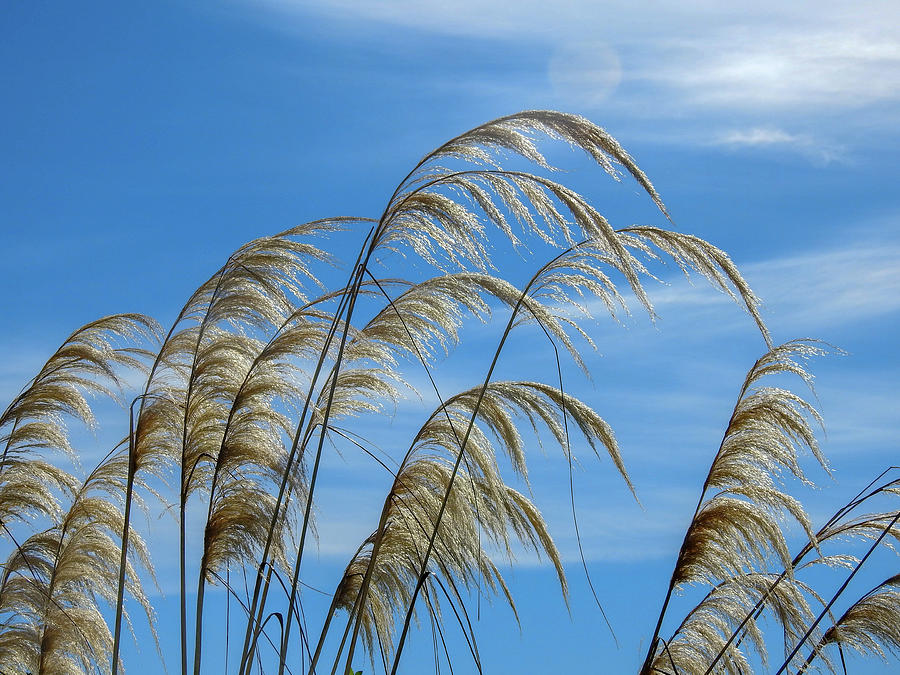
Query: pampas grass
266	369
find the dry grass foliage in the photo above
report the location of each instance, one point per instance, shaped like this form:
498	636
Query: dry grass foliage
265	369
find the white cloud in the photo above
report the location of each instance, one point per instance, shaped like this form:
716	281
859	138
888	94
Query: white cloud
831	287
861	414
761	136
694	53
775	138
807	292
782	67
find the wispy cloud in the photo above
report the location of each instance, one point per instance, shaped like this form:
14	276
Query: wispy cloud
781	67
861	414
810	291
826	288
774	138
770	54
586	73
773	77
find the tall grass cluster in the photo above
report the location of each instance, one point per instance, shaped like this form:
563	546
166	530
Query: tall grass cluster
265	370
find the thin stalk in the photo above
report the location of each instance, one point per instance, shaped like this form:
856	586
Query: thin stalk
201	584
431	613
9	439
227	615
565	418
321	643
837	595
261	628
857	500
669	654
381	649
299	612
324	430
355	610
651	651
255	620
459	457
344	636
185	485
296	609
473	648
126	520
359	604
815	652
198	630
243	605
259	595
354	613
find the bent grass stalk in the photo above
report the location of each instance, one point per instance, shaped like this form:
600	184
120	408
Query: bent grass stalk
246	652
459	458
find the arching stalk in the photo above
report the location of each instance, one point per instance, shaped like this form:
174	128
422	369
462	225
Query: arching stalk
651	651
126	522
459	457
758	607
260	592
324	430
834	598
359	603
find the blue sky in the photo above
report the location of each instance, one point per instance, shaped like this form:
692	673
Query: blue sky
145	142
